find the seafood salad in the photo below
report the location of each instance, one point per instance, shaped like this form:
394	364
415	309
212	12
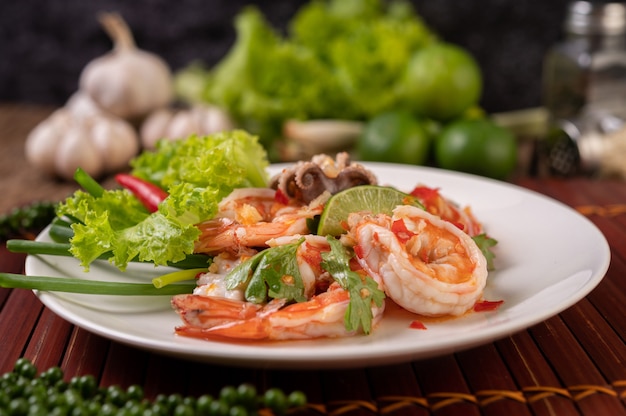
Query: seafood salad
318	250
274	277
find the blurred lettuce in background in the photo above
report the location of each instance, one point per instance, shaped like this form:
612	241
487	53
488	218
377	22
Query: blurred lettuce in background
366	48
341	59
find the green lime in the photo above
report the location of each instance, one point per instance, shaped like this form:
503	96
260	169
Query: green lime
477	146
442	81
397	137
371	198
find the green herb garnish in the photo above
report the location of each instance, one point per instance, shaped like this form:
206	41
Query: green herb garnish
273	273
485	244
92	287
363	290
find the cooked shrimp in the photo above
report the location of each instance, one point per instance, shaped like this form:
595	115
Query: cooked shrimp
427	265
249	217
436	204
213	282
321	316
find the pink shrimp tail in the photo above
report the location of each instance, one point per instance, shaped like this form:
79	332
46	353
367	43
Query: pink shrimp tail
213	316
209	311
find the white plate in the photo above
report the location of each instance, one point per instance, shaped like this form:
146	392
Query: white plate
548	258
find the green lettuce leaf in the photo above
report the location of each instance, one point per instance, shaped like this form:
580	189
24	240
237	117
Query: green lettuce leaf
366	45
123	208
265	79
197	172
190	204
224	161
117	223
340	59
201	170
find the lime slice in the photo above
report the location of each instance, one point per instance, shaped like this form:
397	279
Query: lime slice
371	198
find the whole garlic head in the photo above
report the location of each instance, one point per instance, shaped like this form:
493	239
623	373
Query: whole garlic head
98	144
127	82
81	105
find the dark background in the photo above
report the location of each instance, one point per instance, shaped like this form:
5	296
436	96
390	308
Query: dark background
45	44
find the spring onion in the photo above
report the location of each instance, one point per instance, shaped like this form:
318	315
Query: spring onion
175	277
93	287
88	183
191	261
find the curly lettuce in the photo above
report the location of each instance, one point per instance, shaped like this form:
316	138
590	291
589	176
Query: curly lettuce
340	59
265	79
197	172
366	45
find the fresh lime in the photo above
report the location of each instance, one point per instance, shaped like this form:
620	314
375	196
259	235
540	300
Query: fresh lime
395	136
371	198
477	146
442	81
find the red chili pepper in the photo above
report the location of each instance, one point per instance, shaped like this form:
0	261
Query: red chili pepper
149	194
281	198
398	227
487	305
426	194
417	325
358	251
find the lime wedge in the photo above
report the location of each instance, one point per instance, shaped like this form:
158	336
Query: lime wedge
371	198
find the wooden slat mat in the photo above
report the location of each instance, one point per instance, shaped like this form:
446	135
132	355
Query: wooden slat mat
571	364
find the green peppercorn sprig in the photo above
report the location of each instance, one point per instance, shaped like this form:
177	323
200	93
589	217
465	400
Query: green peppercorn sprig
26	220
24	393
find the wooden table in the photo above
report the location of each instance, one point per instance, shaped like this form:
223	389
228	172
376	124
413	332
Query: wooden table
573	363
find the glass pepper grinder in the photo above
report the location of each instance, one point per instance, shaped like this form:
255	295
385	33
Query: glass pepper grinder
584	81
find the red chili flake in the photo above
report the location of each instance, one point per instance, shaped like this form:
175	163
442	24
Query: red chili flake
458	225
487	305
280	197
399	229
358	251
425	193
417	325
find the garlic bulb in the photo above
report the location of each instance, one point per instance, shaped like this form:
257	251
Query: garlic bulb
178	124
81	105
127	82
99	144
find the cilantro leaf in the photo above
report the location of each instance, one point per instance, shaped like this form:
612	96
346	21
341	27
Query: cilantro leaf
485	243
273	273
279	268
239	277
363	291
